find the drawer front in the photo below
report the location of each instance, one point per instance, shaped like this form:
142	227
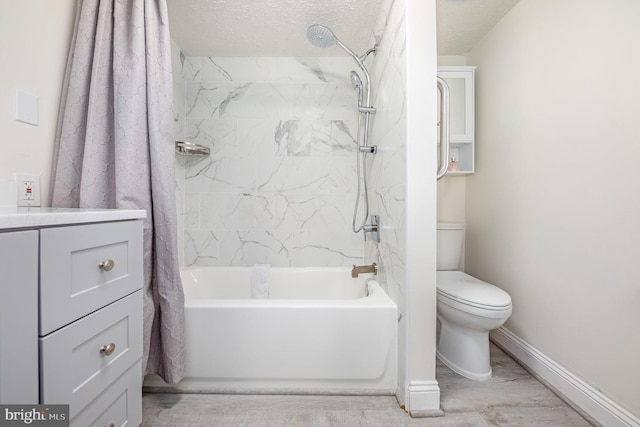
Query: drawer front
74	369
72	281
119	405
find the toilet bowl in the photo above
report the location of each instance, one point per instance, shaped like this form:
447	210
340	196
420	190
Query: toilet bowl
467	308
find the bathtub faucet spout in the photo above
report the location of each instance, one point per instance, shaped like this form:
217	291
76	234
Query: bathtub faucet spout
360	269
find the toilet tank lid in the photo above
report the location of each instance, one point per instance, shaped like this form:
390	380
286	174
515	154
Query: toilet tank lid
469	290
450	226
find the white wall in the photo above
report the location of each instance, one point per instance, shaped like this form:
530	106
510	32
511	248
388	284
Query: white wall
34	41
553	212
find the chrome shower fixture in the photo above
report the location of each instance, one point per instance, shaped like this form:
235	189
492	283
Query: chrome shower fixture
323	37
356	81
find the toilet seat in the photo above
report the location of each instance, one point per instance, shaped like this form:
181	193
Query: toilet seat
469	294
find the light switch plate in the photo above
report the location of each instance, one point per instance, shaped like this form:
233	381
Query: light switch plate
26	107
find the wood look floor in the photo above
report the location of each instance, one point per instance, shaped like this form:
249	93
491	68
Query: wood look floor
511	398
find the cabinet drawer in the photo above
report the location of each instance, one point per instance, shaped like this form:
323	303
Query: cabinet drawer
73	368
119	404
72	282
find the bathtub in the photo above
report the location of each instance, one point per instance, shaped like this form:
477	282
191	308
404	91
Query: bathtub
319	332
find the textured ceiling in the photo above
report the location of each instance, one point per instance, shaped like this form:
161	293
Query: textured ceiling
462	23
278	27
269	27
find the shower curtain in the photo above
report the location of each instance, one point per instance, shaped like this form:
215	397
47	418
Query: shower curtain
114	149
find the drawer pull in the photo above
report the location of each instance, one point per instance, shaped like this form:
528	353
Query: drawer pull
108	349
111	425
106	265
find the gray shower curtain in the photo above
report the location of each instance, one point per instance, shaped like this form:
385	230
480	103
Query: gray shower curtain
114	149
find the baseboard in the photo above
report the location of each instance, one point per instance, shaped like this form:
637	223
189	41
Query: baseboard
585	398
423	399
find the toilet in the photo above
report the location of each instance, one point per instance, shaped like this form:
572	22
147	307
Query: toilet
467	309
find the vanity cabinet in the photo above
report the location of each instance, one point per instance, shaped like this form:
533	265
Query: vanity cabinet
461	81
71	329
19	317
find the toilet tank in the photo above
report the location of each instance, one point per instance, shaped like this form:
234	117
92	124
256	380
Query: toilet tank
450	246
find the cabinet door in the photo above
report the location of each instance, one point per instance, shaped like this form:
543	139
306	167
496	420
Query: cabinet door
19	317
461	100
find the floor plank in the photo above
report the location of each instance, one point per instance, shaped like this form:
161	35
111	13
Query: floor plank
512	398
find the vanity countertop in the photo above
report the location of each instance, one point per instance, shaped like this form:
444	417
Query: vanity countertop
22	217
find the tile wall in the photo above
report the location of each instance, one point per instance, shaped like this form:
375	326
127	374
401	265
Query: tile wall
279	186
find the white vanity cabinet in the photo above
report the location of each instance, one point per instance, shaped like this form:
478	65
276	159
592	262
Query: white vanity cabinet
461	82
74	333
19	317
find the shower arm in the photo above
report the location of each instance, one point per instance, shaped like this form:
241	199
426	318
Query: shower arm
368	109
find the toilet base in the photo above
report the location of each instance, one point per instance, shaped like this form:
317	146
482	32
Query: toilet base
458	370
465	351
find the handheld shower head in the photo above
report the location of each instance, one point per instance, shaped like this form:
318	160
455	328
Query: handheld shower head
321	36
356	81
357	85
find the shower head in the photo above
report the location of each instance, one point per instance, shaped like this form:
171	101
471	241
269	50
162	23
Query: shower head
321	36
357	85
356	81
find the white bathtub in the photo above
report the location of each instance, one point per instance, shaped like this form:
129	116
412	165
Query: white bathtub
320	331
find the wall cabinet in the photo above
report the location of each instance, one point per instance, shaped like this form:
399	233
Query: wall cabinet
461	82
71	320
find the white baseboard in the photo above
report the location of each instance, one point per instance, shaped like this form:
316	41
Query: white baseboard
423	399
589	400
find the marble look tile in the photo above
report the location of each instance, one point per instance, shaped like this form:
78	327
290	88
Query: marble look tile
261	137
328	101
228	174
255	100
313	70
307	175
390	205
191	210
190	68
217	134
313	212
249	247
327	249
312	138
201	247
203	100
237	211
283	137
392	272
241	69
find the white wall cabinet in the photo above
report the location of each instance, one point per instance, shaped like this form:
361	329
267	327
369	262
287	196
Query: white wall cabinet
71	320
461	82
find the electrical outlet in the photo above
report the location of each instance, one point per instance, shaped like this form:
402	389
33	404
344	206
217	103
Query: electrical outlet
28	189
